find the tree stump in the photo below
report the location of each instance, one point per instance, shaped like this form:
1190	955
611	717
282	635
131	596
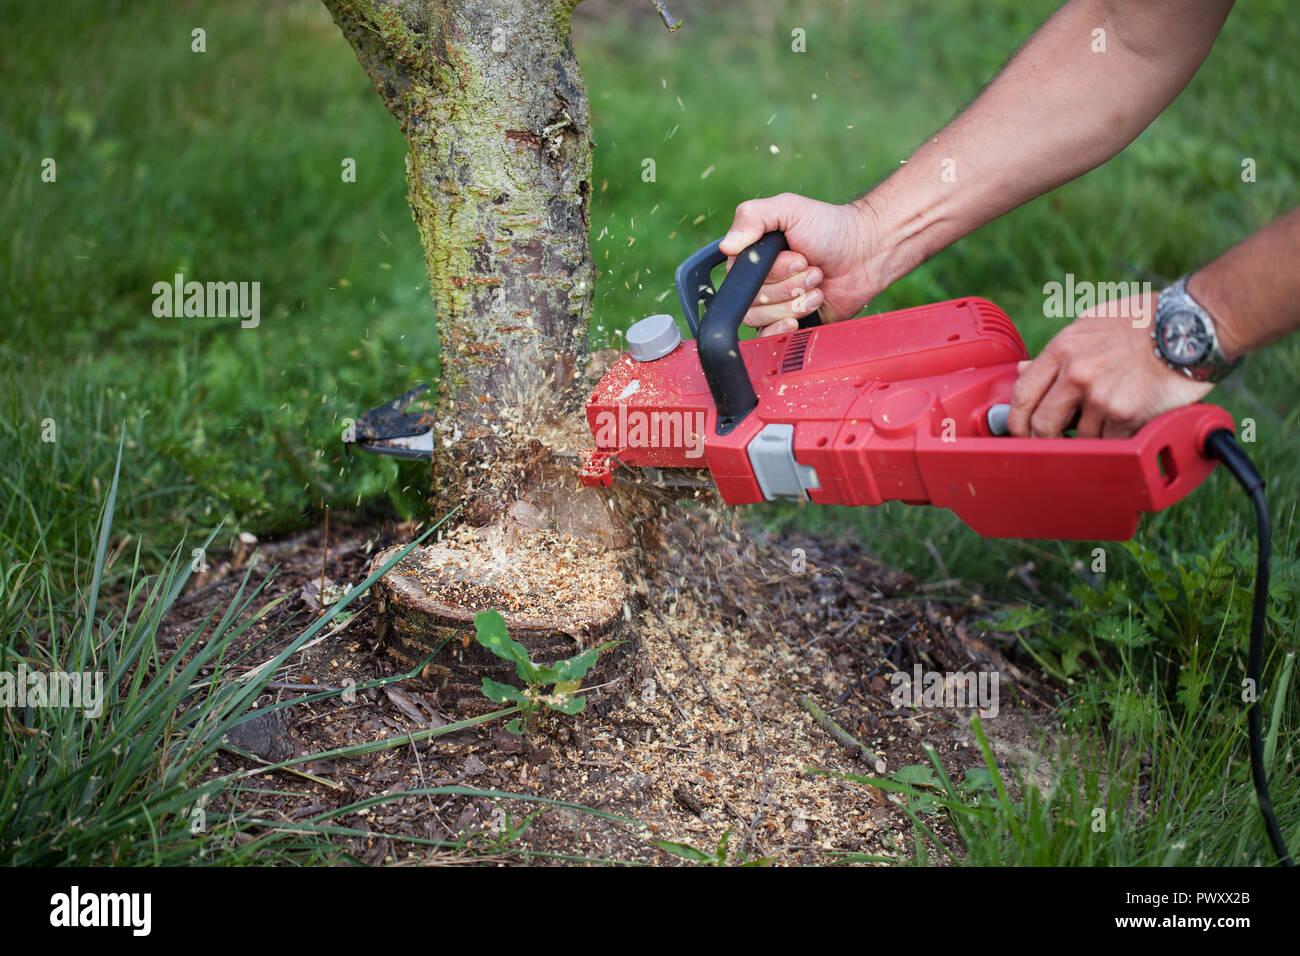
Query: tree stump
558	592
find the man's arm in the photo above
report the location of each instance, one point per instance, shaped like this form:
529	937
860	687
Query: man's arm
1106	370
1253	289
1056	110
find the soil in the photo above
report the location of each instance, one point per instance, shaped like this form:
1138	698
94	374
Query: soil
737	637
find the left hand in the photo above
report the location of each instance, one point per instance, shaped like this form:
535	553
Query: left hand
1103	367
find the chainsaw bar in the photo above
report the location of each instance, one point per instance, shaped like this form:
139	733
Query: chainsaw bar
666	477
623	473
391	430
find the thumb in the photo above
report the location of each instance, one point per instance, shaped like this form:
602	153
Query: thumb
758	216
1021	366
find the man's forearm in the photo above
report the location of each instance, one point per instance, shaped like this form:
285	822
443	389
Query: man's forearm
1057	110
1253	289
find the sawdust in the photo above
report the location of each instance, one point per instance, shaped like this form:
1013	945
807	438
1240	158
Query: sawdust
519	571
714	738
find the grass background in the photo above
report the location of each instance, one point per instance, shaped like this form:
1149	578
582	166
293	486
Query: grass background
226	165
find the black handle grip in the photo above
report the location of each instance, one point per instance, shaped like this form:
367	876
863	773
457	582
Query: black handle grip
718	334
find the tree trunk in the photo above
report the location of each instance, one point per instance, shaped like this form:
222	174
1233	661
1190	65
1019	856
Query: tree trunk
490	98
492	103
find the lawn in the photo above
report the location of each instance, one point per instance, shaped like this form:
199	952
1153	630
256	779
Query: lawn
226	165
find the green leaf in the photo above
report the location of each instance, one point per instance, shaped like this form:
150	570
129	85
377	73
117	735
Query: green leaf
576	667
1019	618
1124	631
918	775
572	705
571	668
490	631
684	850
544	674
722	846
925	803
976	779
1070	659
516	727
502	692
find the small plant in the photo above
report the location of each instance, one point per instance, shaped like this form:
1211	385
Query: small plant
564	678
924	789
718	857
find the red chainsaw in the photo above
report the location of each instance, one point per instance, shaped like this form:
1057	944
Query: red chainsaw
908	406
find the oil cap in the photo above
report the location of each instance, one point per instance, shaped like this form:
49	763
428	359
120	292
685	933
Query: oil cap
653	338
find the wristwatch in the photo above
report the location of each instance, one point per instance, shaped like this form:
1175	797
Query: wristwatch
1185	336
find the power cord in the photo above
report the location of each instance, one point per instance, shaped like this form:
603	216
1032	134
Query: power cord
1222	445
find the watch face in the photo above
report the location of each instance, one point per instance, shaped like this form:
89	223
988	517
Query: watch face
1183	339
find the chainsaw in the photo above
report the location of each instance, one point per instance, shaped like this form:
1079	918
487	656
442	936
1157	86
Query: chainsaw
904	406
907	406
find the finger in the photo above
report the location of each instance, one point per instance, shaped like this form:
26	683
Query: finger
761	316
780	327
1034	381
787	263
1055	409
799	284
1091	422
756	217
1116	430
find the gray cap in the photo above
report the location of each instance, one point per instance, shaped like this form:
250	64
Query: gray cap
997	418
653	338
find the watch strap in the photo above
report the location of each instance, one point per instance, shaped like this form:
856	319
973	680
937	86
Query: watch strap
1213	366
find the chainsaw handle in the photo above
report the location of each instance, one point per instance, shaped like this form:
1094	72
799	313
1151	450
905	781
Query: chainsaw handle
694	281
718	335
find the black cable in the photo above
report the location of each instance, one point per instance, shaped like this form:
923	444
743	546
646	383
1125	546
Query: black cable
1224	447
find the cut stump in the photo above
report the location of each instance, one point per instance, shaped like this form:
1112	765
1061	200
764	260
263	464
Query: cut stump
559	594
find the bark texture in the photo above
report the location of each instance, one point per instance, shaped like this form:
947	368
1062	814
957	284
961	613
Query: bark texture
491	101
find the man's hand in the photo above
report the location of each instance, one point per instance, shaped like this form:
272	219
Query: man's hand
825	266
1106	370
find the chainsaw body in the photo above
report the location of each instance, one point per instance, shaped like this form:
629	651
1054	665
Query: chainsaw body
901	406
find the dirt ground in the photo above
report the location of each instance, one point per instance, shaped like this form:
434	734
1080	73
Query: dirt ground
735	644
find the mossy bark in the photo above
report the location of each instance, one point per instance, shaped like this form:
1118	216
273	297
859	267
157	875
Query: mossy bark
490	98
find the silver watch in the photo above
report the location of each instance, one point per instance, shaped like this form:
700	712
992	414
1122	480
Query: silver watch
1185	336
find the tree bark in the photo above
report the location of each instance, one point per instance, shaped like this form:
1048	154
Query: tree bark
490	98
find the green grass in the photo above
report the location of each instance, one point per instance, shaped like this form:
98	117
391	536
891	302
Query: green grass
132	781
226	165
223	165
1094	812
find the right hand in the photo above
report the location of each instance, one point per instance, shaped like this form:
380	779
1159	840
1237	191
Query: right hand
825	266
